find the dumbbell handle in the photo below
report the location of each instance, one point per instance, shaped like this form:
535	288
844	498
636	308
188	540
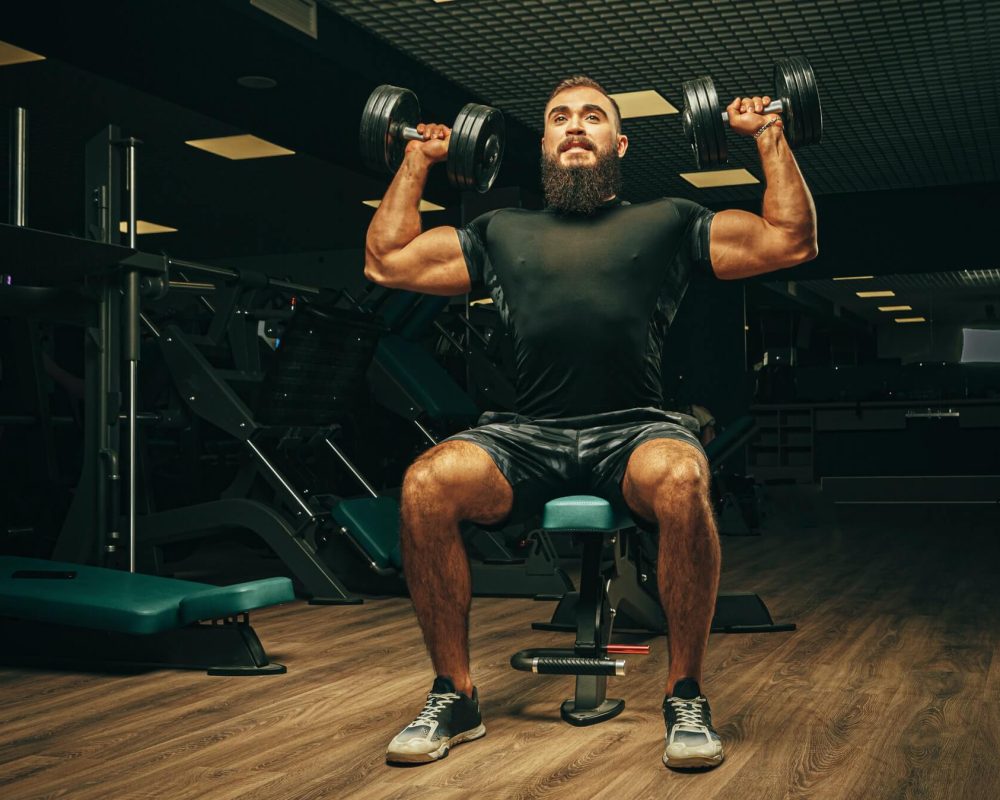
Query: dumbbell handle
411	135
775	105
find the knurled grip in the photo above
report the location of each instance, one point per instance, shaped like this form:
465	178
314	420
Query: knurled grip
565	662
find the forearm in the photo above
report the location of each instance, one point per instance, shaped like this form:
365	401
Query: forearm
788	204
397	220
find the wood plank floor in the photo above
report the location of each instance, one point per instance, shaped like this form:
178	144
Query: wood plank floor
890	688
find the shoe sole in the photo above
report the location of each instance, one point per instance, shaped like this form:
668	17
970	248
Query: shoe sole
441	752
694	762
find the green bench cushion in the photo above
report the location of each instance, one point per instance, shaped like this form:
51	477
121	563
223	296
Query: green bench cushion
583	513
115	600
373	522
423	379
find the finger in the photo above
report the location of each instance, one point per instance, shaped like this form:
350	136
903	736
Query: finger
766	100
734	107
746	104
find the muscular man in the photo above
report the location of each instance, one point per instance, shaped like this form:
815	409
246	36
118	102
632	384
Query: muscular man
587	288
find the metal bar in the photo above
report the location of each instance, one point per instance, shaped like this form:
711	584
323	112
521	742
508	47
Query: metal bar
232	273
19	167
430	436
131	321
353	470
775	105
281	479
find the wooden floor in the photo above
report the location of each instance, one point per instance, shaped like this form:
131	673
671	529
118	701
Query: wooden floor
890	688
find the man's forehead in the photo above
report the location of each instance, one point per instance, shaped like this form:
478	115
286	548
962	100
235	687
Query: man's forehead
577	97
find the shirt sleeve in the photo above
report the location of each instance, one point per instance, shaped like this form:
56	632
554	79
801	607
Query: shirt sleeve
472	237
697	233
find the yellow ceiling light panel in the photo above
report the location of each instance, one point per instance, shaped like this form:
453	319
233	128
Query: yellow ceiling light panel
142	227
719	177
895	308
9	54
647	103
240	147
855	278
911	319
883	293
425	205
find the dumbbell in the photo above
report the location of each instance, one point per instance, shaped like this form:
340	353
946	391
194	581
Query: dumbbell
475	149
704	118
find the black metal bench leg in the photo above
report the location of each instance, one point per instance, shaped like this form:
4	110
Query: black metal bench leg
590	704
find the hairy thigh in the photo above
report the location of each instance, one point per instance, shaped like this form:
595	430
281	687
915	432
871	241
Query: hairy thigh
664	471
458	479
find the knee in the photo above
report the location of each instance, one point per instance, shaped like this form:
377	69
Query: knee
435	480
673	480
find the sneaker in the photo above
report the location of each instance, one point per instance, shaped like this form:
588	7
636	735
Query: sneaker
691	742
448	718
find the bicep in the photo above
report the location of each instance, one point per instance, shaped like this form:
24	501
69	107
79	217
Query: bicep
743	244
432	263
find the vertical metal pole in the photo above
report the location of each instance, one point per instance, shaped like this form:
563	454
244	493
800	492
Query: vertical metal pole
131	344
19	167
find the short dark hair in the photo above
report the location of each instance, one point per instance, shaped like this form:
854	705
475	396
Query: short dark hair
582	80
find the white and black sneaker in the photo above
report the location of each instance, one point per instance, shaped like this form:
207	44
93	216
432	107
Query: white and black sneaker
448	718
691	742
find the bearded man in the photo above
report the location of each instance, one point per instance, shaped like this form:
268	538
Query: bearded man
587	287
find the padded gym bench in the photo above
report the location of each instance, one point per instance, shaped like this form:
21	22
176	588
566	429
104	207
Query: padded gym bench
590	660
610	594
66	614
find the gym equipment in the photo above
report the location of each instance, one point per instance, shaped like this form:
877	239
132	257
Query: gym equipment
475	149
613	595
69	614
591	659
704	119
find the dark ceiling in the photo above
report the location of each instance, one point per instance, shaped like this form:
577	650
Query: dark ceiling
905	177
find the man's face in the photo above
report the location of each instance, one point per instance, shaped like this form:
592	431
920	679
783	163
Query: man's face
579	125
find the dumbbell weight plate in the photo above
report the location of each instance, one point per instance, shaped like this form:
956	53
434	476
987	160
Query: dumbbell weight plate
702	121
374	128
389	109
475	150
795	85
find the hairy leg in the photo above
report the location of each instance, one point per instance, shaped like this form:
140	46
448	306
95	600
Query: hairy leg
668	481
451	482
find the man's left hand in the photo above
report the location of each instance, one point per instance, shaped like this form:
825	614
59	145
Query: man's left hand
745	116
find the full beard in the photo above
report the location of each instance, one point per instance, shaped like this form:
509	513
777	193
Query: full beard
579	190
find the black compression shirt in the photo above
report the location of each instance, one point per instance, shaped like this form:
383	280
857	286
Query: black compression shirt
587	300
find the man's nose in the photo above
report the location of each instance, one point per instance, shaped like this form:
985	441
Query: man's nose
575	125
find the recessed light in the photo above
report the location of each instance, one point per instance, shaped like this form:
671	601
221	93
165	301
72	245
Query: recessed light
256	82
240	147
719	177
876	294
910	319
142	227
855	278
425	205
647	103
9	54
895	308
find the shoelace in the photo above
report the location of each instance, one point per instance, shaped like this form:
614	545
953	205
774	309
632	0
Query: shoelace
436	703
689	712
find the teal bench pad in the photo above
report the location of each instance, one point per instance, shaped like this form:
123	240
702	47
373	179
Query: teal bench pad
583	512
114	600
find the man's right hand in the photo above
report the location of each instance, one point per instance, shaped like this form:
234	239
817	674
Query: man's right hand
434	147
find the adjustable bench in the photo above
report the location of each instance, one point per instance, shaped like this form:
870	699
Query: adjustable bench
60	613
610	594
